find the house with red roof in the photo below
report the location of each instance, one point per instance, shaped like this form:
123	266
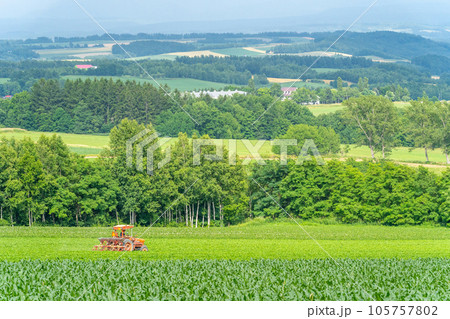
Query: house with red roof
85	66
287	91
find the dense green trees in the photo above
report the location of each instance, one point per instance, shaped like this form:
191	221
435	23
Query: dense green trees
325	139
377	119
46	184
95	106
428	124
43	183
434	63
352	192
442	120
82	106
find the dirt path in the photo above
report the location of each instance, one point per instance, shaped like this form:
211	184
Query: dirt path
424	165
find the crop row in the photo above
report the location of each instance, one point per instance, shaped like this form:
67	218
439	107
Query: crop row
316	279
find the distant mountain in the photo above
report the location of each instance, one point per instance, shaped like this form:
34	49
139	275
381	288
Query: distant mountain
385	44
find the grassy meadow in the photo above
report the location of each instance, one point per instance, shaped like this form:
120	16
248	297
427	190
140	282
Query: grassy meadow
83	144
401	154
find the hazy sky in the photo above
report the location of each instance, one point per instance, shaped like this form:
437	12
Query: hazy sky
31	18
156	11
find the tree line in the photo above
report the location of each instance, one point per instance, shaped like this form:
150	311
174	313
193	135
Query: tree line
43	183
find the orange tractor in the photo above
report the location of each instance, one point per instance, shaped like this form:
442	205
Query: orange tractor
119	241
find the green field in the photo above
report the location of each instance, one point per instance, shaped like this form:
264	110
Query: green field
310	85
271	280
325	108
182	84
76	140
3	80
258	260
254	240
83	144
401	104
331	108
401	154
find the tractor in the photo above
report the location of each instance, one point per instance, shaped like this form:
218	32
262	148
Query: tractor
120	241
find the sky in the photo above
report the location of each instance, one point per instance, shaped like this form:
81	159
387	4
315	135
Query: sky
157	11
64	16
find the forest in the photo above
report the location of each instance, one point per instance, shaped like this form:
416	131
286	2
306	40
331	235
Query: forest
44	184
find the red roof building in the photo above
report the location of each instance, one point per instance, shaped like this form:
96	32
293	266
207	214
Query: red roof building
287	91
85	66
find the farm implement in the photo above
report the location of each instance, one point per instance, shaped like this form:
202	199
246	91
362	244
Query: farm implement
120	241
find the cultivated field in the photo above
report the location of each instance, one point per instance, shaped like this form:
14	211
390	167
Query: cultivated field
81	53
254	240
271	280
254	261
